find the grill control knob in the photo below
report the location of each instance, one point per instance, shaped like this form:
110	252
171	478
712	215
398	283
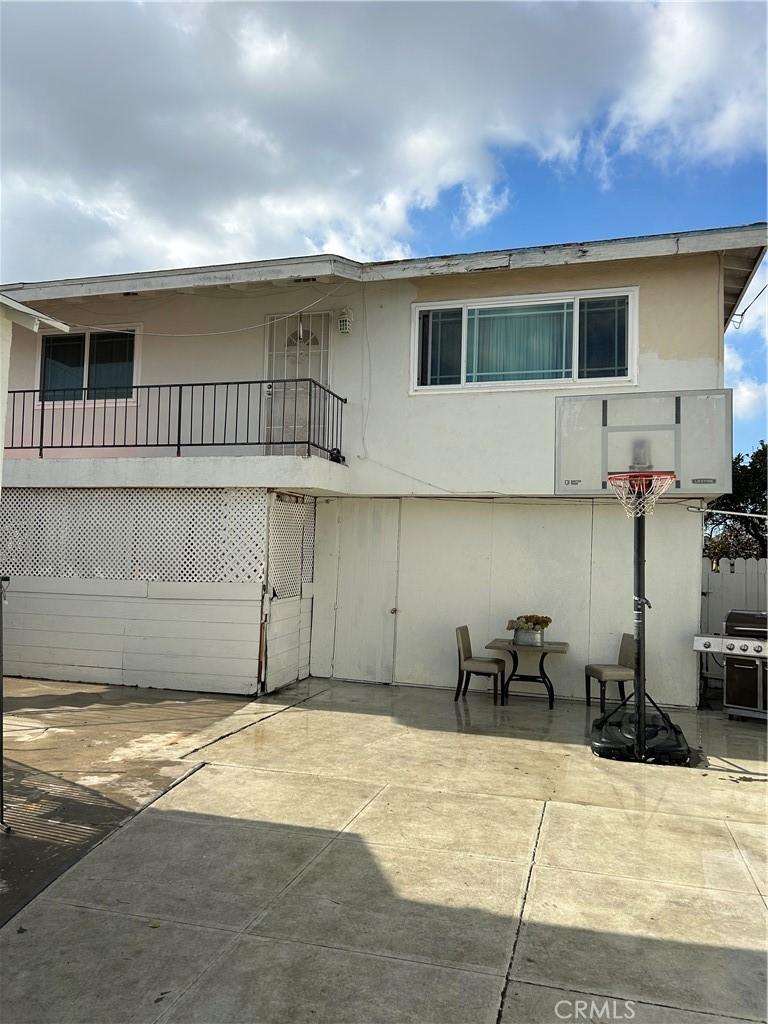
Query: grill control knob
730	647
758	649
744	647
706	645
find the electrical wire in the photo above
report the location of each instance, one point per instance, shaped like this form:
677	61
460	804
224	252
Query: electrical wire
150	303
213	334
366	375
740	316
727	512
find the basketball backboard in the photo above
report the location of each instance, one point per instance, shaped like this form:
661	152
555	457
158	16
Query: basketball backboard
687	432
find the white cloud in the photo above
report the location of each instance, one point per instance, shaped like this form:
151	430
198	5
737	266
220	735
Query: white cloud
689	98
191	132
480	205
734	363
749	398
263	52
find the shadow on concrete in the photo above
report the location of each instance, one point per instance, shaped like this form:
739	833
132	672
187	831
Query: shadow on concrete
54	823
214	919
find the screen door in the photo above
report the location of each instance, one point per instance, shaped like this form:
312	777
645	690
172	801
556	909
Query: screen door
298	350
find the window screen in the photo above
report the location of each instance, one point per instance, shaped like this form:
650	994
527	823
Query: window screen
62	368
603	337
110	365
440	346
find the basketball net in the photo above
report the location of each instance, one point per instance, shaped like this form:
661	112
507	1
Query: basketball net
638	492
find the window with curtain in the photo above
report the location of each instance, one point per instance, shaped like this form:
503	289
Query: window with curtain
571	338
519	343
97	364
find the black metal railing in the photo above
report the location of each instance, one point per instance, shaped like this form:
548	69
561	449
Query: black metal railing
280	417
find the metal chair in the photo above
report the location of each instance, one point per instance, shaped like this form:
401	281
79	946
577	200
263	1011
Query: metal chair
622	672
469	666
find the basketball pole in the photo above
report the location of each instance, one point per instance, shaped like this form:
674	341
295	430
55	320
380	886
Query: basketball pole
640	603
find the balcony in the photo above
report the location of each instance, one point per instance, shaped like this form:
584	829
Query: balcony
258	417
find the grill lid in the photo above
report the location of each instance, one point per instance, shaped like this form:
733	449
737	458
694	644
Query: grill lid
745	622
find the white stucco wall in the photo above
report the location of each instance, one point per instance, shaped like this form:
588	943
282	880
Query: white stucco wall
6	334
480	563
396	442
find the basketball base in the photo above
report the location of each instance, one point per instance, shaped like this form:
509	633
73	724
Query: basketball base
614	737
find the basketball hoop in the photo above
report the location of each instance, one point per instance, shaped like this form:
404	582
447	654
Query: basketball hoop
638	492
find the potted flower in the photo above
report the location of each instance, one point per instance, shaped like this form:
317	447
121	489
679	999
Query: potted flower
529	629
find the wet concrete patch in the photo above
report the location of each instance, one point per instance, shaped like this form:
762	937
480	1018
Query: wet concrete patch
80	760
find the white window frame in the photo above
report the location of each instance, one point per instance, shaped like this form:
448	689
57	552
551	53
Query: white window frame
87	331
573	382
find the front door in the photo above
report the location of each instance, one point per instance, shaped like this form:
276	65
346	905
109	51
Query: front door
298	350
366	615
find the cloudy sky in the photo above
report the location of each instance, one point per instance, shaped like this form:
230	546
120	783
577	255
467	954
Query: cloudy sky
138	136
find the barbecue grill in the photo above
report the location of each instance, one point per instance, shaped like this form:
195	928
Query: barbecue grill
744	647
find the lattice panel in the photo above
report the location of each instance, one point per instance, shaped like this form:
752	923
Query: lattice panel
178	535
291	546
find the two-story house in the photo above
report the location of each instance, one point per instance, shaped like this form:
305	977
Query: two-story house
227	477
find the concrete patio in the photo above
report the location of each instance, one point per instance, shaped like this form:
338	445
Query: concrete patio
371	854
80	759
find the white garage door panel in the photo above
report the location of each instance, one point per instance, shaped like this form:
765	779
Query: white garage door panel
327	529
367	587
445	562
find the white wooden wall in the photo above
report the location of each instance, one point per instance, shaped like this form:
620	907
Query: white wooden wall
188	636
739	584
288	638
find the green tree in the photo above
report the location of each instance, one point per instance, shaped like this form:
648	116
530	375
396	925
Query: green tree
740	536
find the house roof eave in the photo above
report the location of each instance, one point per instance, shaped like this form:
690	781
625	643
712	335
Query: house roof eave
29	317
743	241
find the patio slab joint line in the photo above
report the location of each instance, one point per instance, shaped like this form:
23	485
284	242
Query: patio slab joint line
507	978
120	825
248	725
744	860
245	930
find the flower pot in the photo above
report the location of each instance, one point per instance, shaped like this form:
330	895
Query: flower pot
534	637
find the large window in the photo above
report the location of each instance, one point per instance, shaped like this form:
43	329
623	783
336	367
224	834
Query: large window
97	364
568	338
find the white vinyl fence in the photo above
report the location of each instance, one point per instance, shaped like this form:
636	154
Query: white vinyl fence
740	583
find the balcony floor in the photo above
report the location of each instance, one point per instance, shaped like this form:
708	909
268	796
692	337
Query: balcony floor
309	473
381	854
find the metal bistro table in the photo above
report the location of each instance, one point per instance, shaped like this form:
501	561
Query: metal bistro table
543	649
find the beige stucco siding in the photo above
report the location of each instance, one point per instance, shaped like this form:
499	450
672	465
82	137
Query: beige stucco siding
679	296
